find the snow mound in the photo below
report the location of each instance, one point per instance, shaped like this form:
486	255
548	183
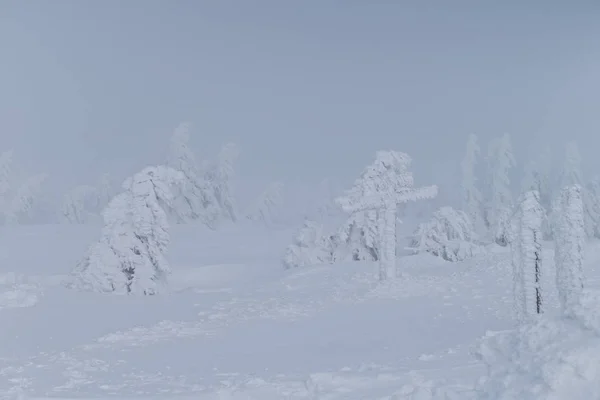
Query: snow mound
546	359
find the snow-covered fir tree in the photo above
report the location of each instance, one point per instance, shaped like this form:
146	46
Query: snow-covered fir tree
6	160
359	238
527	262
193	197
268	204
310	247
130	256
220	176
104	192
449	234
78	203
569	243
499	208
472	199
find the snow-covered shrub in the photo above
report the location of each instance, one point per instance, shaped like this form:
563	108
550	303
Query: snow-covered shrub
310	247
129	258
449	234
358	239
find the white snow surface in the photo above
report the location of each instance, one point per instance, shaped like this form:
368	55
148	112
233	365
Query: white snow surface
236	325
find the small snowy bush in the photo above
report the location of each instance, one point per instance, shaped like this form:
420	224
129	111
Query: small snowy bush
309	247
449	234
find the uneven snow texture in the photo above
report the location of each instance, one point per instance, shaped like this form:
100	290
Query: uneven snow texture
547	359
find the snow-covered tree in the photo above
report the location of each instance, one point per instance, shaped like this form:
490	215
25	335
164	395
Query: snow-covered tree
359	238
471	195
591	207
77	204
129	258
569	244
6	160
268	204
193	197
571	173
310	247
23	200
499	208
449	235
104	192
527	262
220	176
383	185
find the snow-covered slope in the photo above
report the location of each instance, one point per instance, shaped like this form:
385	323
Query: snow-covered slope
237	326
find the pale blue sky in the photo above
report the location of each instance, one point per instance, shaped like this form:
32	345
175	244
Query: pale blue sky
308	89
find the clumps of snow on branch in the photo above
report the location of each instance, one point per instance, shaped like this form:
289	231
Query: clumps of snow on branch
129	258
310	247
449	235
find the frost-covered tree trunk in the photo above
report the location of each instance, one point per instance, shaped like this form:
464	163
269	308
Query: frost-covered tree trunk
129	258
500	204
569	244
530	245
471	195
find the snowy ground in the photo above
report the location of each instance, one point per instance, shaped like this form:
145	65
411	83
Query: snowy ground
237	326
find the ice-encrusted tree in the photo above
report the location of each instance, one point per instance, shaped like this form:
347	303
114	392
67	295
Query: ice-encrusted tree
78	203
449	234
571	173
310	247
569	243
130	256
24	199
220	176
268	204
500	205
359	237
527	261
193	196
383	185
471	194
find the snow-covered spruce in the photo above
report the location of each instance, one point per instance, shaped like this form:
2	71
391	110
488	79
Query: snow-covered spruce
500	204
268	205
383	185
220	177
310	247
449	235
569	243
129	258
472	198
194	197
527	262
24	199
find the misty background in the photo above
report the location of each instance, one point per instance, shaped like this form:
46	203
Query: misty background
308	90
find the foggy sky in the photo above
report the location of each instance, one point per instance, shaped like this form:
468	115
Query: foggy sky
307	89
